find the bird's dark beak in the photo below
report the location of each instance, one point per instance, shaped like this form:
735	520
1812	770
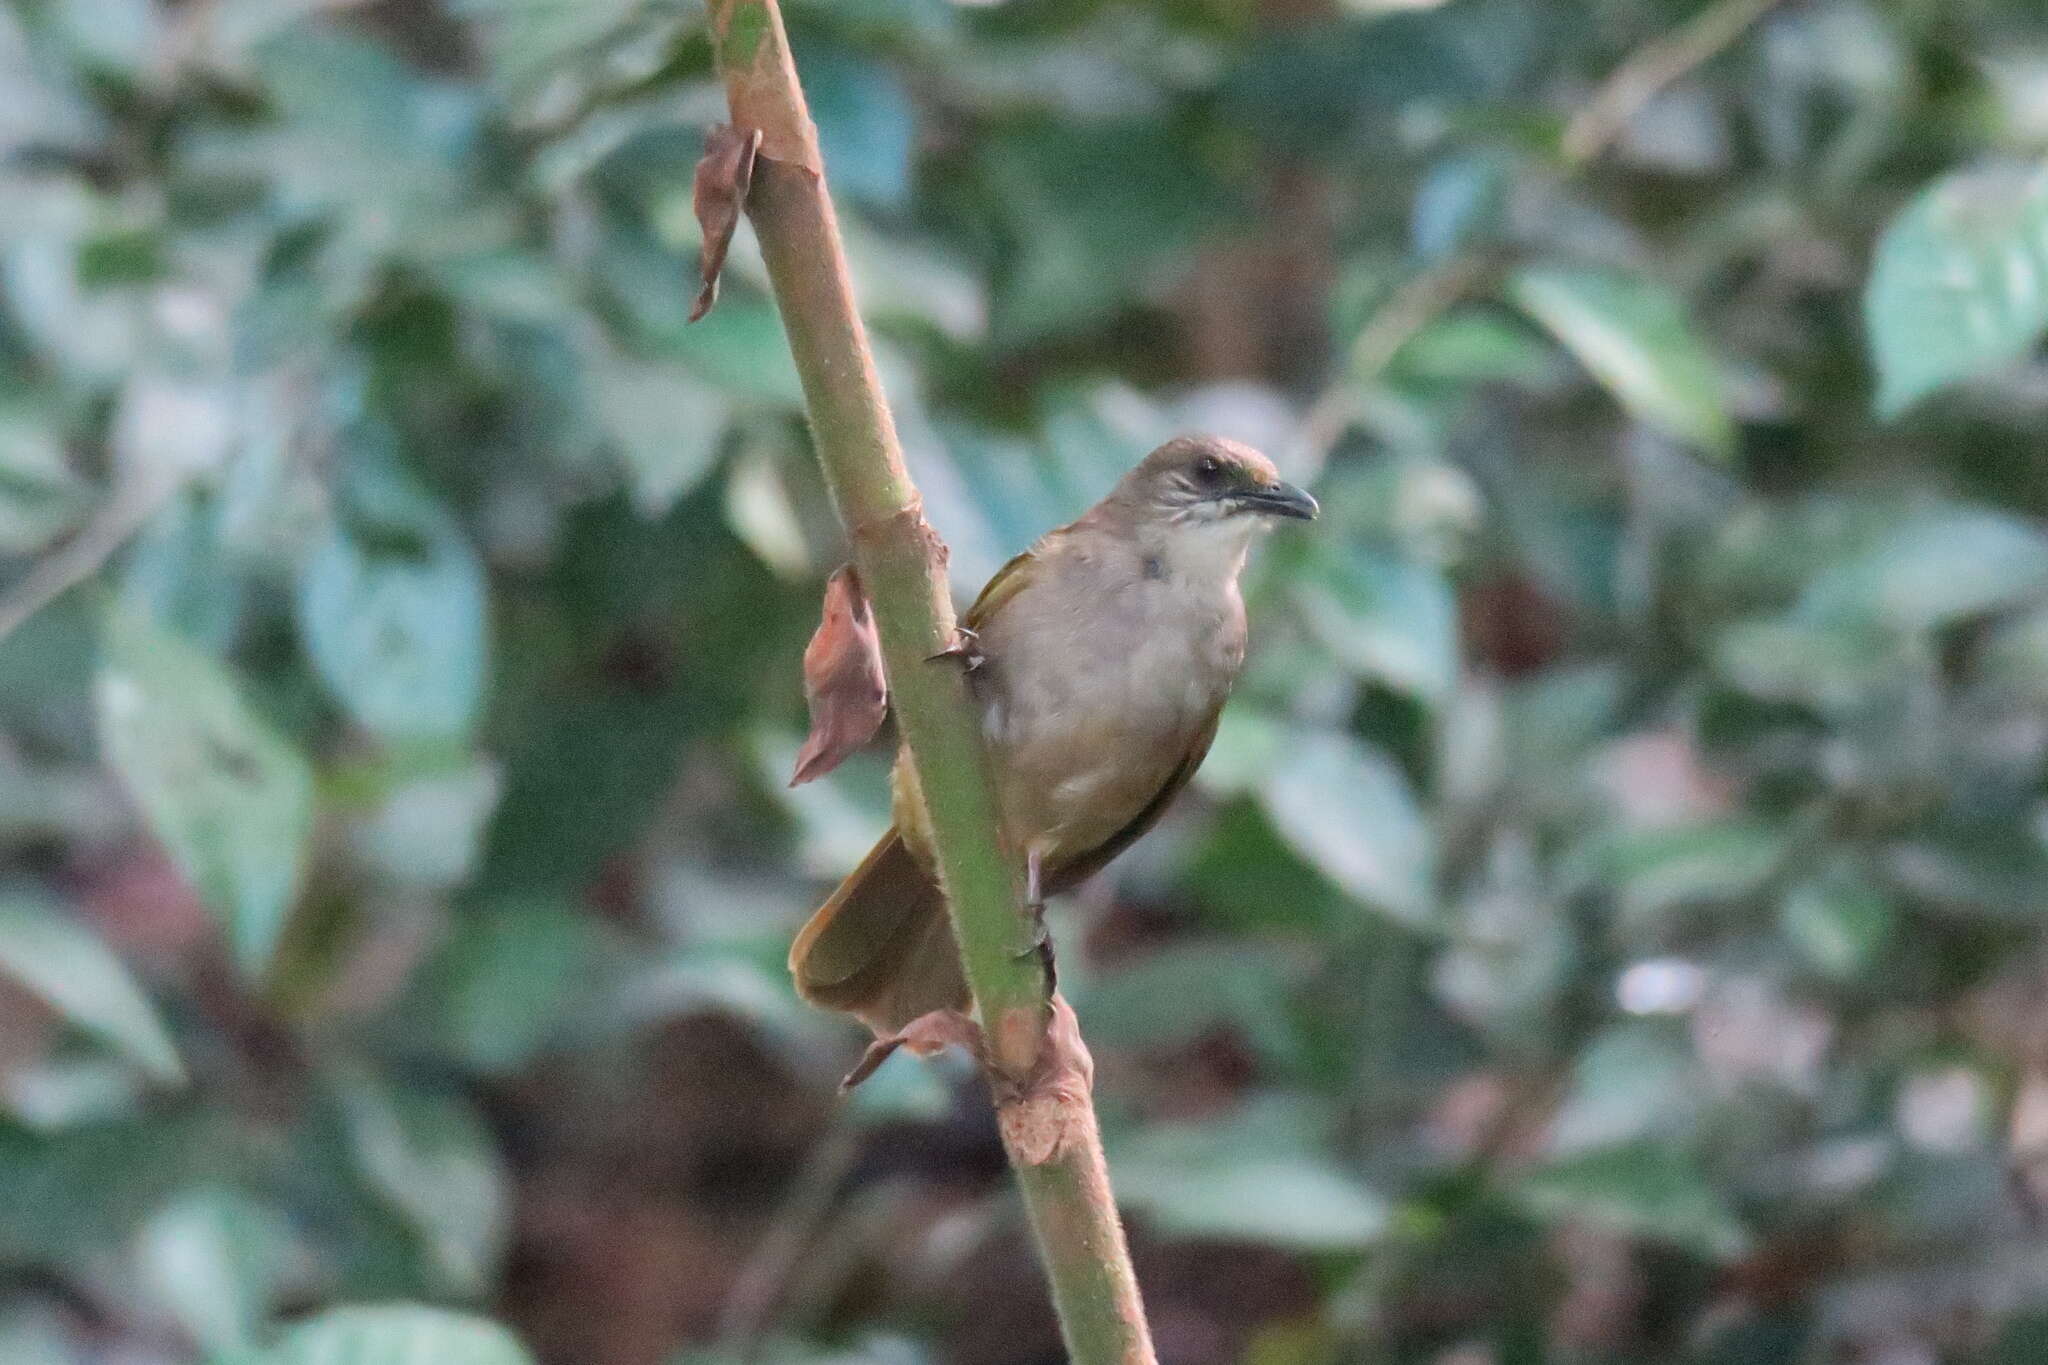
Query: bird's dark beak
1280	500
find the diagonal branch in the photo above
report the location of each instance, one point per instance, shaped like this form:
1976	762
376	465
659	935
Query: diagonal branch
1031	1051
1650	70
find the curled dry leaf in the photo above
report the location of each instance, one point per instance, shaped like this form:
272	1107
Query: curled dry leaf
1042	1116
843	679
926	1035
724	174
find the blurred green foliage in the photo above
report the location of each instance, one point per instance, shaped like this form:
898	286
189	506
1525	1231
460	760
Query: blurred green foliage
1609	927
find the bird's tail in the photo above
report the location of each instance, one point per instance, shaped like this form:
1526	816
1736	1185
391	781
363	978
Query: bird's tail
880	948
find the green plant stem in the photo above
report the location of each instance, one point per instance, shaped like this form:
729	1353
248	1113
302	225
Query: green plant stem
902	566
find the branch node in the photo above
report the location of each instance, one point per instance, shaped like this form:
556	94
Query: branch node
1048	1115
891	526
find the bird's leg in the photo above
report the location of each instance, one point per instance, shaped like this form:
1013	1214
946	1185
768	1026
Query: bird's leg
1034	901
966	648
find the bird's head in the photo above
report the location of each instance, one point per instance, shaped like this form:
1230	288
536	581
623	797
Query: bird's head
1209	481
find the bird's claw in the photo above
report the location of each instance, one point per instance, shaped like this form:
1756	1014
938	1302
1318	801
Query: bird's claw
966	649
1040	947
1041	937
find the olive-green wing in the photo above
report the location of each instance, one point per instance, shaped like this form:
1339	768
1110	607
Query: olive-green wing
1006	584
1072	873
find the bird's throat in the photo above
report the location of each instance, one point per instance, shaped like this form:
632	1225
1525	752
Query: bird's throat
1200	554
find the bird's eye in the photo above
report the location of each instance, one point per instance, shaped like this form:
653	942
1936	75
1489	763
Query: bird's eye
1209	471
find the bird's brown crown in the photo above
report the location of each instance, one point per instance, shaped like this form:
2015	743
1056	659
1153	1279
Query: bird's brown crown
1206	465
1208	480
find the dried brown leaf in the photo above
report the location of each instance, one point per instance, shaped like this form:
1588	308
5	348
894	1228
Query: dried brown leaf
843	679
724	174
926	1035
1044	1115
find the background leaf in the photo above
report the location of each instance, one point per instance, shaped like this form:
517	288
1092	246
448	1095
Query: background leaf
215	1259
388	1332
1349	812
61	961
1617	873
1632	334
429	1157
1646	1188
392	609
1959	282
230	798
1195	1180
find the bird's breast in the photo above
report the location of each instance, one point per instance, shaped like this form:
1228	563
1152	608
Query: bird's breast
1093	698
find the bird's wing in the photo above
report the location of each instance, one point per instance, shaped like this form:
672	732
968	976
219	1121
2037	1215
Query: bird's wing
1074	871
1005	585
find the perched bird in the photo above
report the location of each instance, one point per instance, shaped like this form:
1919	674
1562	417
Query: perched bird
1100	659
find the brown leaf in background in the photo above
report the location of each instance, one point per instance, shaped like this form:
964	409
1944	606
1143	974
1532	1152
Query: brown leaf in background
724	174
843	679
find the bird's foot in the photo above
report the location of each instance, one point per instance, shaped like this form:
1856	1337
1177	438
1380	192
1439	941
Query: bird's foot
1045	955
1034	906
965	649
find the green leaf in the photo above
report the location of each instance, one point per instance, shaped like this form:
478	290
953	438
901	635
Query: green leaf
1634	1080
865	122
1247	881
507	976
1644	1189
181	572
107	37
230	798
1253	1176
1461	198
2014	663
2024	1341
1174	997
40	497
1469	348
72	1196
430	1159
391	607
526	41
1959	282
739	348
1661	870
1827	665
426	831
665	423
1388	617
1633	335
73	972
1935	567
1090	211
1840	923
1989	868
1296	1202
1348	811
214	1259
385	1334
